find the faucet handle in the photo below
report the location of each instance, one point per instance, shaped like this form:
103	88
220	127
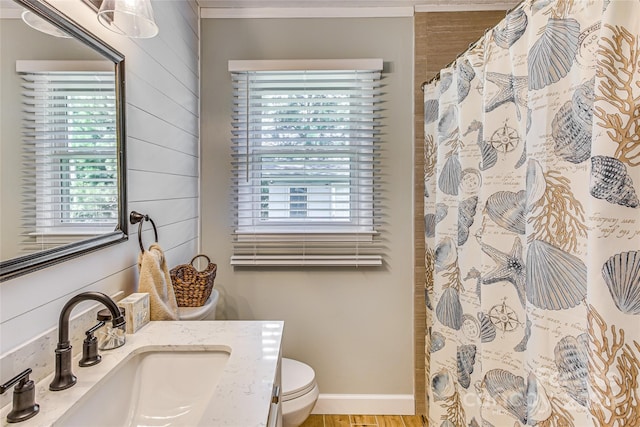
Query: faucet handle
24	397
90	354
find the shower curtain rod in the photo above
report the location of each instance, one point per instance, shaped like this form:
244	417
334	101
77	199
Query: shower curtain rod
471	46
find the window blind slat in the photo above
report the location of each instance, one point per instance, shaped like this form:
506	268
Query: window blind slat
69	153
306	167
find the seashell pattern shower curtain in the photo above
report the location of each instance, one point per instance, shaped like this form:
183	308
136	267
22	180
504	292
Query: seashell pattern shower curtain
532	222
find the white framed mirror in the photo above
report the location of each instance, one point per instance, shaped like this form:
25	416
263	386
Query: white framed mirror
62	140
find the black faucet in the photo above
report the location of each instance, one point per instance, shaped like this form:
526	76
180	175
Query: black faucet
64	377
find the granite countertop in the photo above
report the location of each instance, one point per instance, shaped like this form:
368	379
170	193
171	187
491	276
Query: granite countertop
243	393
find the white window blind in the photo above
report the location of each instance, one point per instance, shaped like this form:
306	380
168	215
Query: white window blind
70	155
305	162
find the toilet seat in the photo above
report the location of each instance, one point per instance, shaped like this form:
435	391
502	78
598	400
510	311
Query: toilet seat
298	379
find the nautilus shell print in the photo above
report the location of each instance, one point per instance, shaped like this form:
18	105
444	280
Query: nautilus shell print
621	273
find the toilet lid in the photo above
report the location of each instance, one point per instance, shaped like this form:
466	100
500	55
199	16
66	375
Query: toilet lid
297	379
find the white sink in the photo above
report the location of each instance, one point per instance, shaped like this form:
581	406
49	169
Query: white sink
151	388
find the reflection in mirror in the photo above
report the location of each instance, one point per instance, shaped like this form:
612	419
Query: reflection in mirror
62	191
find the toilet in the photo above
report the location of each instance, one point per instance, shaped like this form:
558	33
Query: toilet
207	311
299	389
299	392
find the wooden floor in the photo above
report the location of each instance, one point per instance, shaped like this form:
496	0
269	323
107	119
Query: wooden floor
364	420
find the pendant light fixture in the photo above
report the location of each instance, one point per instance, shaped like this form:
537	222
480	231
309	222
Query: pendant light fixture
131	18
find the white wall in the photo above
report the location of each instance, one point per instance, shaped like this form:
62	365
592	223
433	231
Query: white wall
162	94
353	326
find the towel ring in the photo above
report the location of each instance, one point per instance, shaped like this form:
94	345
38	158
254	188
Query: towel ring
136	217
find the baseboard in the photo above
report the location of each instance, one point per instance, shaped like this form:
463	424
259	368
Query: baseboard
365	404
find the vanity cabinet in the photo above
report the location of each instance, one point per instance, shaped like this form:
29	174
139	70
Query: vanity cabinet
275	410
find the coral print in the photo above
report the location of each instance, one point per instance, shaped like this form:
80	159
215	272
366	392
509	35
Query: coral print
618	109
532	222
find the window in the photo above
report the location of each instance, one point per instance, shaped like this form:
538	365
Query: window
305	162
69	145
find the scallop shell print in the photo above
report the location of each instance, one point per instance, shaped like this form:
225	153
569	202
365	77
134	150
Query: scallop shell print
451	176
431	108
466	212
508	209
610	181
556	280
509	391
511	28
552	55
449	309
487	328
465	358
571	126
571	358
621	273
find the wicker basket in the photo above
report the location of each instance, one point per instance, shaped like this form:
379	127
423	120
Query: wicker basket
193	287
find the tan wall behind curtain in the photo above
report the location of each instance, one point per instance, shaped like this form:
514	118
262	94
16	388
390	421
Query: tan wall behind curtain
439	38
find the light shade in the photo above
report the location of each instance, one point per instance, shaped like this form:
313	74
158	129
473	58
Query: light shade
132	18
40	24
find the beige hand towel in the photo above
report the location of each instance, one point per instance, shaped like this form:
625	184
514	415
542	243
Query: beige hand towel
155	280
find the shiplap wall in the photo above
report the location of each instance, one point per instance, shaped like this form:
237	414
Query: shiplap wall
162	93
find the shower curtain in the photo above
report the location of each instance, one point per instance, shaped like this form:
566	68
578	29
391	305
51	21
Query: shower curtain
532	222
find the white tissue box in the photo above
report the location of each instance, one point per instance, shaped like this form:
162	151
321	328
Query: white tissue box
136	308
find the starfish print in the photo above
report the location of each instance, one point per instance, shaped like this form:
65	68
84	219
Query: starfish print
512	89
509	267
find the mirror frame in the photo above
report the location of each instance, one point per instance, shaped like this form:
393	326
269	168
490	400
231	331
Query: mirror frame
28	263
